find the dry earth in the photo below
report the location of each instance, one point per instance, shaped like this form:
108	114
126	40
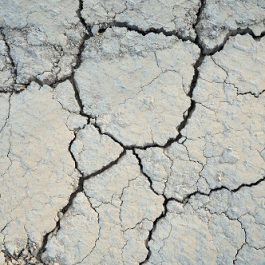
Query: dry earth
132	132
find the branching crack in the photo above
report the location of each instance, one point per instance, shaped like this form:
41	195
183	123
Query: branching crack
80	188
186	116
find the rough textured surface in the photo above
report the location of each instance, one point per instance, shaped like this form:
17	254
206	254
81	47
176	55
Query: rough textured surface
77	235
33	156
141	81
188	236
114	219
6	71
220	19
243	61
171	171
226	133
44	38
132	132
223	228
172	16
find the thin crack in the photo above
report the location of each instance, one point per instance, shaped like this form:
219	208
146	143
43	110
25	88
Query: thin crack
187	198
249	93
13	64
186	116
244	243
180	127
80	186
8	113
99	232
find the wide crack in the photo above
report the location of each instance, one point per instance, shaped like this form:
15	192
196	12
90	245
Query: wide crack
231	33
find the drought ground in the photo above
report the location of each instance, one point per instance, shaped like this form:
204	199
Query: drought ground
132	132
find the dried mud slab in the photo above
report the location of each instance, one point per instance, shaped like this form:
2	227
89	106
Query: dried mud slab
136	86
94	151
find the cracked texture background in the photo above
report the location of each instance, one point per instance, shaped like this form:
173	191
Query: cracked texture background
132	132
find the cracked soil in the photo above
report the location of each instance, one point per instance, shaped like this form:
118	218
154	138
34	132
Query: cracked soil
132	132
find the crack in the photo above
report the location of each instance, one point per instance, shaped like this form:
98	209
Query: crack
87	34
8	113
187	198
122	201
25	255
142	171
99	232
129	27
249	93
78	99
249	185
80	188
171	170
150	235
244	243
231	33
186	115
163	214
12	62
180	127
231	219
186	201
104	26
198	18
76	66
82	20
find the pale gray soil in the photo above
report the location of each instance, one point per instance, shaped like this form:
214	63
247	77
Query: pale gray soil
132	132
